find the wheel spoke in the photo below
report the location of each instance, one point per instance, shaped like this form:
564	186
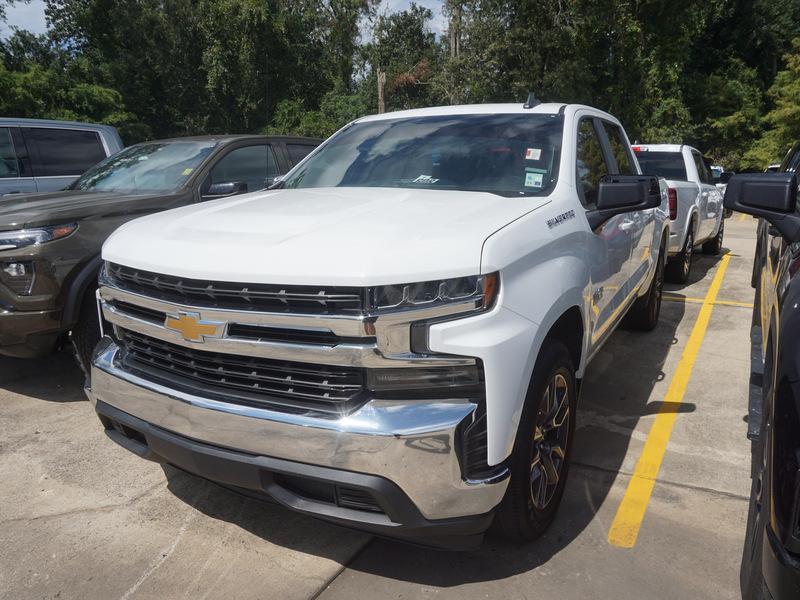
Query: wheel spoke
550	471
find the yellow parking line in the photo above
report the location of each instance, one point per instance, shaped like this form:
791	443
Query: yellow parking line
677	298
630	514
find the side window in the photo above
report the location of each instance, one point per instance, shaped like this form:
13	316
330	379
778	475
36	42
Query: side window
9	165
64	152
252	165
620	149
591	164
298	152
702	169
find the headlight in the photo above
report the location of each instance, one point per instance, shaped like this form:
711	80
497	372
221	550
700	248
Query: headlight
481	289
33	237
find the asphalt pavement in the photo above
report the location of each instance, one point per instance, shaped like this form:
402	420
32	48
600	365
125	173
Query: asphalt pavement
655	505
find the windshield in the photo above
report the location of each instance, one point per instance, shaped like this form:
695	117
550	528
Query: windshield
510	155
668	165
148	167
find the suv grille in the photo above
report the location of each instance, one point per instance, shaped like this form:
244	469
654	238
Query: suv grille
282	385
238	296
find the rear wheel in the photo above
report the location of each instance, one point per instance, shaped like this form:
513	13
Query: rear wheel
680	266
540	460
714	245
645	311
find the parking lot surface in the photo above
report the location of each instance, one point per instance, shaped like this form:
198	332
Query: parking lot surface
655	506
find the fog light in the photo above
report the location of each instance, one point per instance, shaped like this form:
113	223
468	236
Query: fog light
392	380
18	277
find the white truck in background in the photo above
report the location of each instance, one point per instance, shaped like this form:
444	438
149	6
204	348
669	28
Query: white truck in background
695	204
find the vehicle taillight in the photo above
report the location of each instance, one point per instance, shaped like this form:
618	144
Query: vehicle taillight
673	203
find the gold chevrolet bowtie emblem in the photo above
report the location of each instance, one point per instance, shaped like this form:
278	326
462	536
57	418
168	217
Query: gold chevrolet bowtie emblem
192	328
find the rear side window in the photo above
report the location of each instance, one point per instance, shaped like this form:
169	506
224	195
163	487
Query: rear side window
668	165
9	165
620	149
64	152
251	164
702	169
591	164
298	152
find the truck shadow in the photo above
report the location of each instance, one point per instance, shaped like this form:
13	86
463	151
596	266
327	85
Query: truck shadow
616	394
55	378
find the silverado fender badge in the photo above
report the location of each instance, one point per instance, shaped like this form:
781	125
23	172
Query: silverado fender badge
192	328
559	219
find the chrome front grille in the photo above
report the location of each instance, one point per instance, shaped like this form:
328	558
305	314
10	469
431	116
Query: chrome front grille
239	296
283	385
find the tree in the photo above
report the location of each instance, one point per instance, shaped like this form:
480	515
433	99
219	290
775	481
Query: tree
783	121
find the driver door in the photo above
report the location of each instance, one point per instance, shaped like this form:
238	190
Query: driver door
609	246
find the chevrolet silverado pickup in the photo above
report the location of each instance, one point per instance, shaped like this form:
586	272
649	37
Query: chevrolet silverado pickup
695	204
394	338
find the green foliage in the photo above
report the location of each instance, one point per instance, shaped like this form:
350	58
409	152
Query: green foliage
783	121
335	111
721	74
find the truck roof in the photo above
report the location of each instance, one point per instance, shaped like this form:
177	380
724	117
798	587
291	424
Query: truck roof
551	108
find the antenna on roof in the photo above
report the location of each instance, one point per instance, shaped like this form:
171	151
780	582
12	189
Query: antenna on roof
531	101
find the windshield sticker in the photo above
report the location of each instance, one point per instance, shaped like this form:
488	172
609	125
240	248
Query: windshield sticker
533	154
559	219
533	180
425	179
187	171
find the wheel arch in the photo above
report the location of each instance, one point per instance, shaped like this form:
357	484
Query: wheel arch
78	285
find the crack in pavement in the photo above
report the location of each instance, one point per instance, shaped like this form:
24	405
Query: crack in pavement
88	509
686	486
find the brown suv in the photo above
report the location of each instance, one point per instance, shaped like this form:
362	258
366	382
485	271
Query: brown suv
50	242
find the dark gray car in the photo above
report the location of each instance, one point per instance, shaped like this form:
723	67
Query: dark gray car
38	155
50	242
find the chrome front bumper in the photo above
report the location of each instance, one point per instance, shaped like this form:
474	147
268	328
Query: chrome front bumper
410	443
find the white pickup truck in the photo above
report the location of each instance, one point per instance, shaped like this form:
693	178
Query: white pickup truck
394	340
695	204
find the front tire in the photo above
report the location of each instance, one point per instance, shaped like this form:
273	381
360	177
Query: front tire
86	333
714	245
680	266
540	461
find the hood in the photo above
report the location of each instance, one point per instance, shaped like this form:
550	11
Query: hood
330	236
18	211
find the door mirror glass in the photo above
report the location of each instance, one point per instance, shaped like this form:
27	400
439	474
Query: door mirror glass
225	188
619	194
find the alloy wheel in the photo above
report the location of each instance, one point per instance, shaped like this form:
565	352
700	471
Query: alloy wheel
687	254
549	441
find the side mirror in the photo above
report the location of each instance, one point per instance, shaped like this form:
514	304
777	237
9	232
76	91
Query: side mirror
772	196
725	176
620	194
226	188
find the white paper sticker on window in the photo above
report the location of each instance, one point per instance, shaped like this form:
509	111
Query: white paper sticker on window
533	180
533	154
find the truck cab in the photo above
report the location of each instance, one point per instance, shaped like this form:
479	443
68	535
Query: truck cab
696	212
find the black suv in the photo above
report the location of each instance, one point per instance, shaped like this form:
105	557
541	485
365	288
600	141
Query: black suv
771	557
50	242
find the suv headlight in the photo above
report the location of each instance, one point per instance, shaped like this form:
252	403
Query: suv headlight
20	238
480	289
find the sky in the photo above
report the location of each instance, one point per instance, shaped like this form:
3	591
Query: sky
24	16
31	16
